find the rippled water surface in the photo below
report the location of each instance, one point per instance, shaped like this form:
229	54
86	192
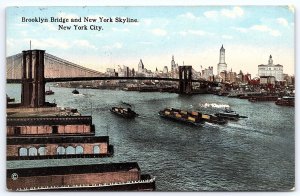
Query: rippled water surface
256	153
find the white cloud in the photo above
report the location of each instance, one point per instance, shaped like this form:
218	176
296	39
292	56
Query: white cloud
211	14
282	21
264	28
147	21
116	45
189	16
84	44
196	32
159	32
232	13
193	32
227	37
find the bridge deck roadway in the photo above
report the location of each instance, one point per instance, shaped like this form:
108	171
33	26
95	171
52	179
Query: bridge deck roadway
67	79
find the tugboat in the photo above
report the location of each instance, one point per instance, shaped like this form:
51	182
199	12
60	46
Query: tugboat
49	92
75	92
181	116
286	101
124	112
229	114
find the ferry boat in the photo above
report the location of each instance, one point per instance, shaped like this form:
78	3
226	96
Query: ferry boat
124	112
286	101
229	114
181	116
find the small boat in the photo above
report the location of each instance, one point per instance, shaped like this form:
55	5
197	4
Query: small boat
180	116
75	92
124	112
49	92
229	114
286	101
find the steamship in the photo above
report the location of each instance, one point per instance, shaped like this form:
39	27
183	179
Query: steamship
38	130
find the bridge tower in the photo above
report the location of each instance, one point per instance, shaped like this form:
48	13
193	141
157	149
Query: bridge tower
33	85
185	79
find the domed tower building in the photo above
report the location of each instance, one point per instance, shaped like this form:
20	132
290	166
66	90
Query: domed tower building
271	69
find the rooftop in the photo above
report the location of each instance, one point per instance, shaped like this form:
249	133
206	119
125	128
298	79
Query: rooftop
43	111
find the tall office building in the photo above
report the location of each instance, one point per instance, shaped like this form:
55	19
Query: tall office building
222	66
173	65
141	67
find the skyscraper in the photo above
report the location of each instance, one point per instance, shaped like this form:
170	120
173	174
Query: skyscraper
222	66
141	67
173	65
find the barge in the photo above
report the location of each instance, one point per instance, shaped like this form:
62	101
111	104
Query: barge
181	116
210	118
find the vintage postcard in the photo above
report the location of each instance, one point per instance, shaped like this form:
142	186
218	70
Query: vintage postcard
164	98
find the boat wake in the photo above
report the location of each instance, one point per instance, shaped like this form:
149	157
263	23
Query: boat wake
248	129
78	95
213	105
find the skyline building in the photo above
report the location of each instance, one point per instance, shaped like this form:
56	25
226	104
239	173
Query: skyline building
208	73
173	65
271	70
174	68
165	70
222	66
141	67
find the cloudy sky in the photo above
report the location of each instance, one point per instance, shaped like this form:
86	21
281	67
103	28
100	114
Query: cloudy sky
193	35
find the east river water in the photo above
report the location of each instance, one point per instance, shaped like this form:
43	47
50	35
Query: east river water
252	154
